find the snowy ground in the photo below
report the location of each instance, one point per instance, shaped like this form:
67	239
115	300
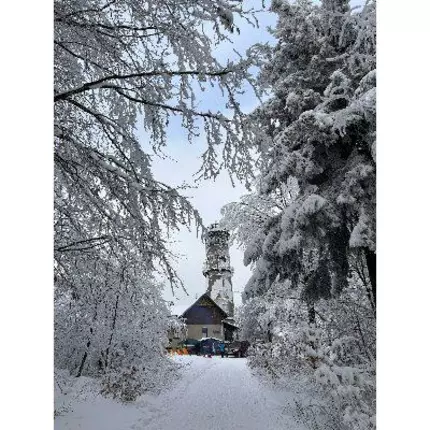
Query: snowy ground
213	393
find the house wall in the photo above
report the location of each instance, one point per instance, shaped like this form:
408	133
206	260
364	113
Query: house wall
214	330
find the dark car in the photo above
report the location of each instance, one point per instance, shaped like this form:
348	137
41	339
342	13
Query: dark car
192	345
209	346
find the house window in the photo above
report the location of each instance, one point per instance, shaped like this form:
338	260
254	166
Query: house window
204	332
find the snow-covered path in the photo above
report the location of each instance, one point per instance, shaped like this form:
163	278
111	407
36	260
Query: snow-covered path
212	394
217	394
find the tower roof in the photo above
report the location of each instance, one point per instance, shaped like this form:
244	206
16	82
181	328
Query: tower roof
215	227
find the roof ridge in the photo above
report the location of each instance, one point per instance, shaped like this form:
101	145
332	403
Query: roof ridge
210	298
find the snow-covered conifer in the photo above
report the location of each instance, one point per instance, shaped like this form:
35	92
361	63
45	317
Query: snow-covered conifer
310	303
319	128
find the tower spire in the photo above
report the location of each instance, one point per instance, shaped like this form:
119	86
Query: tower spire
217	269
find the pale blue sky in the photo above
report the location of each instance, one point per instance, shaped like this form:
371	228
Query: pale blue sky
210	196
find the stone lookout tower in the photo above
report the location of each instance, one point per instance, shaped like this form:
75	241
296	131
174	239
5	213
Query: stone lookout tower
217	269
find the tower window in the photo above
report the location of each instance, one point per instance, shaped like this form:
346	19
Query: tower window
204	332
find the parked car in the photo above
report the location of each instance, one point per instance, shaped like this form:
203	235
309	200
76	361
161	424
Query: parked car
209	346
192	345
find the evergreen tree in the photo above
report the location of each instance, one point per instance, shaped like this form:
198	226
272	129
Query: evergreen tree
311	299
319	128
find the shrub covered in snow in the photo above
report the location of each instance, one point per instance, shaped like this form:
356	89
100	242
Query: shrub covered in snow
331	361
111	323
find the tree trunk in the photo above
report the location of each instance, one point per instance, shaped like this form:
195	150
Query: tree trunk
269	332
371	267
112	331
312	320
311	313
84	359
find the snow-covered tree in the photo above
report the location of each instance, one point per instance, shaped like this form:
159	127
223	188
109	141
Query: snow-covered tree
244	218
118	65
124	68
111	322
318	127
331	361
310	303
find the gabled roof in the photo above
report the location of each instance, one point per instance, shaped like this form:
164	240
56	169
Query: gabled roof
208	298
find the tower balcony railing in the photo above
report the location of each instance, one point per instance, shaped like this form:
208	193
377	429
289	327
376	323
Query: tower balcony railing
221	266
